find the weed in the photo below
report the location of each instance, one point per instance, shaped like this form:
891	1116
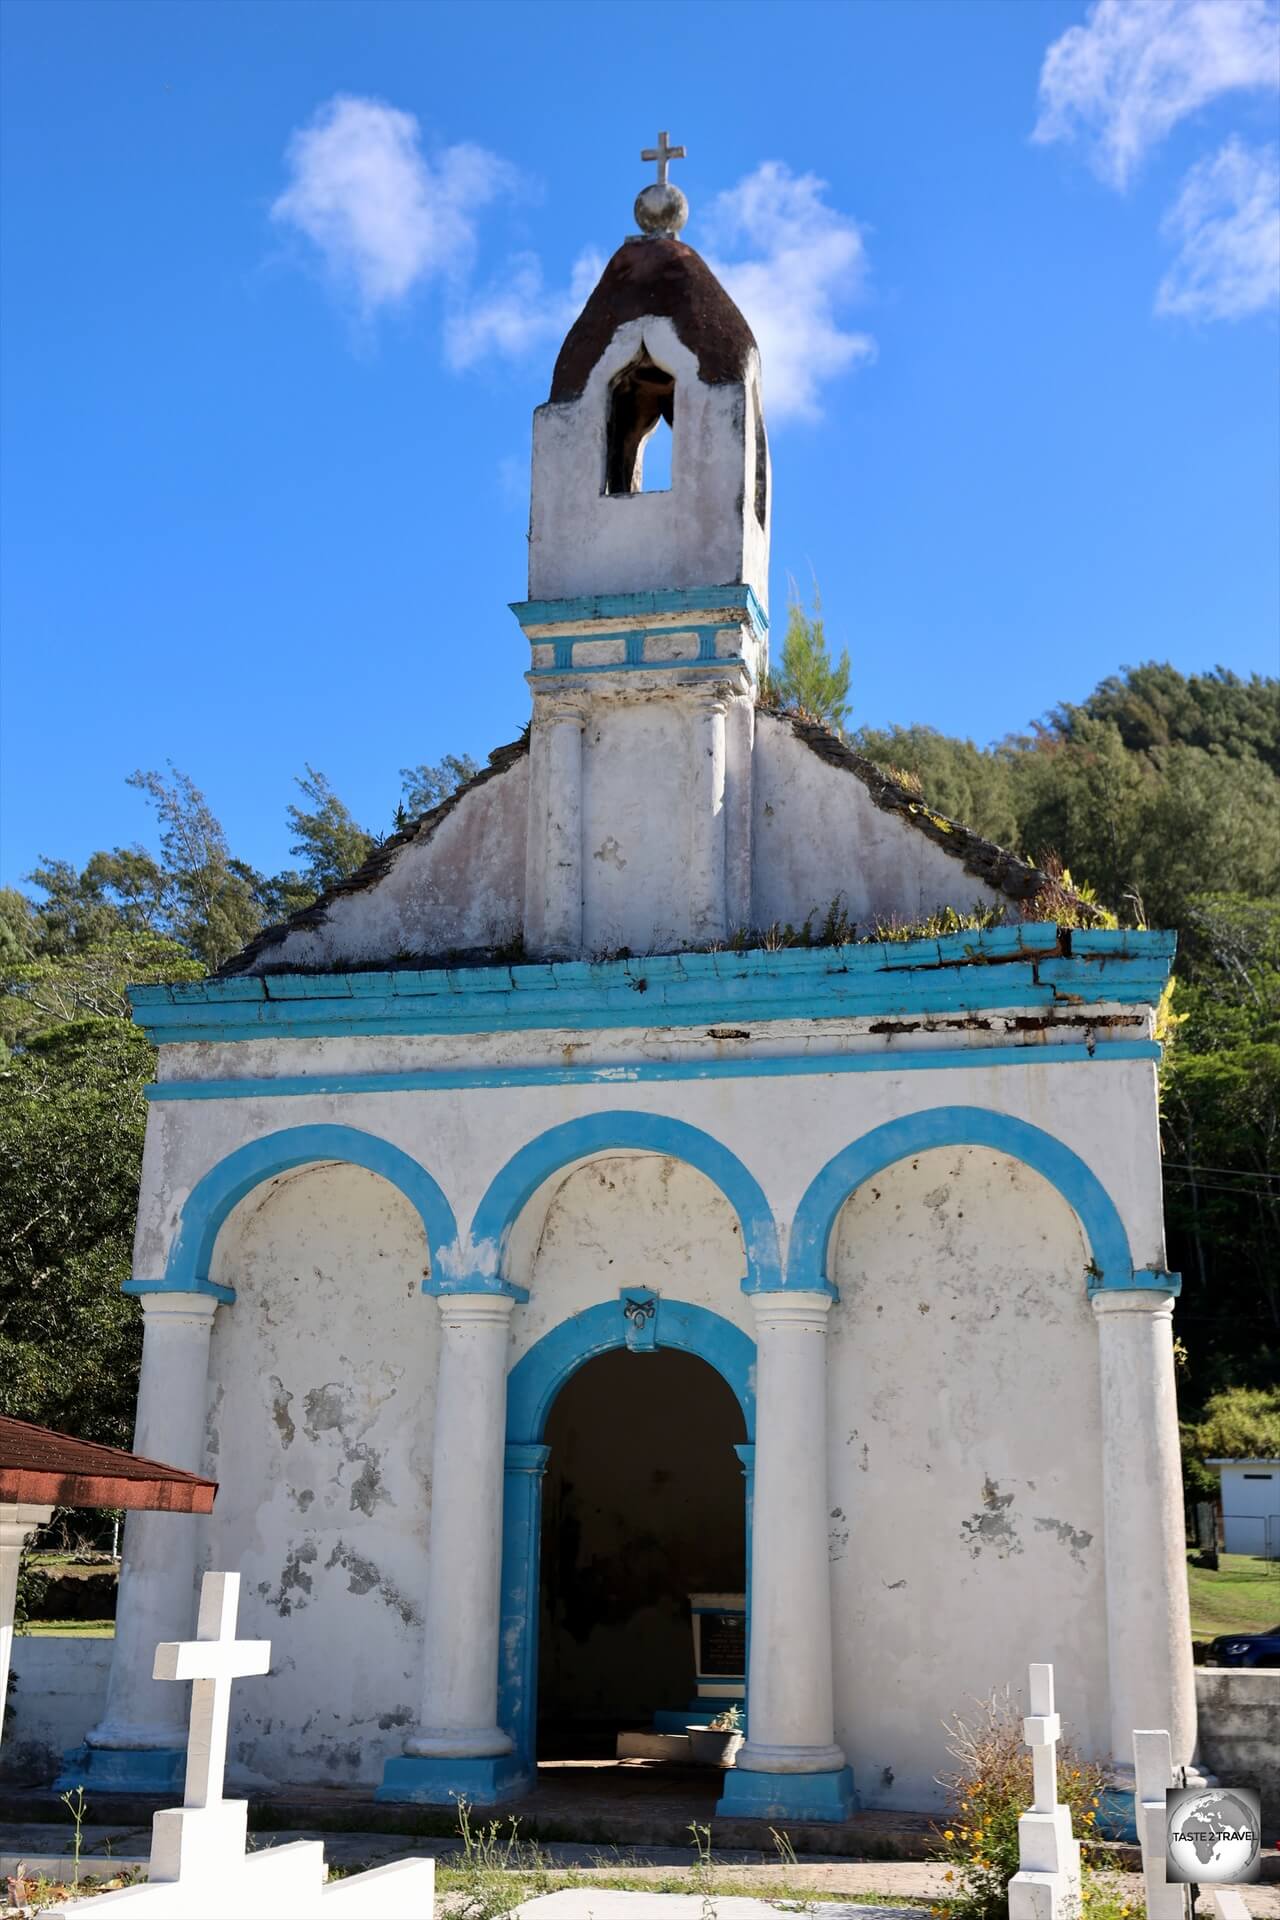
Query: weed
74	1803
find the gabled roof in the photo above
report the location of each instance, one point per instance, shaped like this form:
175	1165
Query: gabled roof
662	277
40	1467
1006	872
380	861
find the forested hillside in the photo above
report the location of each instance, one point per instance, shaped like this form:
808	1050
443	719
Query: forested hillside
1159	794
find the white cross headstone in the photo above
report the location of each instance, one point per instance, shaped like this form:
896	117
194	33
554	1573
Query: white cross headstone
1153	1776
200	1869
1047	1883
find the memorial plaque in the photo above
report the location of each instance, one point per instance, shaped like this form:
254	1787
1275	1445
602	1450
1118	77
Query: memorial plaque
724	1644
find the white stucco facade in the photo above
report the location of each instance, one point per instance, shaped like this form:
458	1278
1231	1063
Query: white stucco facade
550	1081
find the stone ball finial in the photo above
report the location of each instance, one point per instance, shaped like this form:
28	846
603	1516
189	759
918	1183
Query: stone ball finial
661	208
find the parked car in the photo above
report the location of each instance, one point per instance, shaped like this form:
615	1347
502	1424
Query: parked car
1244	1650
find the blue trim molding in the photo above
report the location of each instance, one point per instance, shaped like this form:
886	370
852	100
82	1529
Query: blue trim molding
1111	1263
884	1059
226	1184
123	1770
595	1133
1020	967
532	1386
634	609
409	1778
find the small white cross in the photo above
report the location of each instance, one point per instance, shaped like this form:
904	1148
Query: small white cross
662	153
211	1661
1042	1730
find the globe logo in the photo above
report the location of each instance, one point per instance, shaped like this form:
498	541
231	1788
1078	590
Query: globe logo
1212	1837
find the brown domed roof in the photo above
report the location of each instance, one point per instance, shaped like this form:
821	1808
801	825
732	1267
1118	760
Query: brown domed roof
663	277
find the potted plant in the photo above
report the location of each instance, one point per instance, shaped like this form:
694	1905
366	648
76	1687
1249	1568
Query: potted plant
716	1744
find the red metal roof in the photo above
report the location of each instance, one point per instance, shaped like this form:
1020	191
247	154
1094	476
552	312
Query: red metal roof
48	1469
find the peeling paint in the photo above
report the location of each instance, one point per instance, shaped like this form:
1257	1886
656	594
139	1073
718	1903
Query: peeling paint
1075	1539
280	1404
993	1526
294	1580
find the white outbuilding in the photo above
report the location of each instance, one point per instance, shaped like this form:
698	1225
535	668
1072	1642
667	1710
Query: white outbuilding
1250	1506
682	1163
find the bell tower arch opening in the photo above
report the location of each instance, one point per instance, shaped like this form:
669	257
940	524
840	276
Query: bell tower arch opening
641	401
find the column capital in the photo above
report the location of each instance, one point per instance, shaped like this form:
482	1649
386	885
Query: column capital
173	1308
1157	1306
805	1311
475	1309
558	704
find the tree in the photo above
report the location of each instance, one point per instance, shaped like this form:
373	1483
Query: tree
806	677
215	912
72	1118
425	786
1240	1423
327	839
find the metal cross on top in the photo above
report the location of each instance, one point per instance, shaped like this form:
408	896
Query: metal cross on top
662	153
212	1661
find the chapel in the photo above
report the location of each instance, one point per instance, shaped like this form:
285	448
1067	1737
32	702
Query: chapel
680	1226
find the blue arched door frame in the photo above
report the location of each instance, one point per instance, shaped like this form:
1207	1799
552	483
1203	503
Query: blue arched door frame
532	1386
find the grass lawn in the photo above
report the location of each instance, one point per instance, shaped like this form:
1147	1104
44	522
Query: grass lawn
81	1629
1242	1596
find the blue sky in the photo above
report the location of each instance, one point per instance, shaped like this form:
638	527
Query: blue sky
284	282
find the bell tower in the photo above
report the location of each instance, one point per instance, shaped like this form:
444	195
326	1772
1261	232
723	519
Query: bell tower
647	612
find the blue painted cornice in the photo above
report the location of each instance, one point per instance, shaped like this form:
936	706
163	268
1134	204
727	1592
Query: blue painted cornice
1026	966
634	609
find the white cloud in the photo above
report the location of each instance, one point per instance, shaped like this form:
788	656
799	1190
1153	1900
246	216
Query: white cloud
518	312
1126	77
804	259
384	217
1227	223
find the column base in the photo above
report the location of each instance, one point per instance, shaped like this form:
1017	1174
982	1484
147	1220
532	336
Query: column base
123	1770
787	1796
443	1780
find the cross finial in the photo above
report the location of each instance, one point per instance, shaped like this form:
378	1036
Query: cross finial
212	1661
663	154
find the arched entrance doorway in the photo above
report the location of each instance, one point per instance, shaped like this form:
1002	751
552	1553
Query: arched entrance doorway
642	1510
624	1332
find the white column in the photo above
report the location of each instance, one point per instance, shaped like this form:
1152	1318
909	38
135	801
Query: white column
740	726
562	882
1152	1678
17	1524
707	819
464	1567
158	1565
790	1713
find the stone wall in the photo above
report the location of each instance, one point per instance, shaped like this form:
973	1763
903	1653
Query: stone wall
1239	1709
59	1691
965	1463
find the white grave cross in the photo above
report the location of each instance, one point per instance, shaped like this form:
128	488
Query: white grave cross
1042	1730
200	1868
1047	1883
211	1662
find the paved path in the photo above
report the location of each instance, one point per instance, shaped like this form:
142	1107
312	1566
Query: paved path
46	1848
